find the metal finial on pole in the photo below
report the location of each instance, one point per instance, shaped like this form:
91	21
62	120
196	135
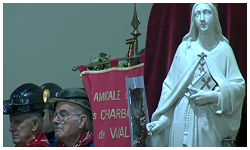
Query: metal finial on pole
135	24
134	56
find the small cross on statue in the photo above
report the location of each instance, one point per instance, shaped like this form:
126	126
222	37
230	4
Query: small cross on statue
202	55
206	83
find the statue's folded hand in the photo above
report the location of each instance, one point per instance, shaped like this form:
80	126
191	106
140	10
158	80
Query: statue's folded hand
201	97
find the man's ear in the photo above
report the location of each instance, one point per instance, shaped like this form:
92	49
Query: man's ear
82	121
35	125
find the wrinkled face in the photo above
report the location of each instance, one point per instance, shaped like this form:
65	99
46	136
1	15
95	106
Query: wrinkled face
46	122
21	129
204	18
66	121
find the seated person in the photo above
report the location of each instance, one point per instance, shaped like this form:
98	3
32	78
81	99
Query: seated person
49	91
72	118
25	109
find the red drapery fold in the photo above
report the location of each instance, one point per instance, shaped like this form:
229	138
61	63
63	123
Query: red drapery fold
167	25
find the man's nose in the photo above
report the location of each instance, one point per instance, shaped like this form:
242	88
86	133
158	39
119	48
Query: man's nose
11	128
55	119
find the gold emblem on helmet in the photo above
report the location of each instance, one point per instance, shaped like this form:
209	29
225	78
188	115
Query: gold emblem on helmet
46	95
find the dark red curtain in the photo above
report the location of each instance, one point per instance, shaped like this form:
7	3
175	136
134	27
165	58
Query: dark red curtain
167	25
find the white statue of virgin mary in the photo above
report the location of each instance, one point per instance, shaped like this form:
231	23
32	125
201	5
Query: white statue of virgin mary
202	95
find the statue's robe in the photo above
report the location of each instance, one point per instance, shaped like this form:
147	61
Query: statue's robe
187	123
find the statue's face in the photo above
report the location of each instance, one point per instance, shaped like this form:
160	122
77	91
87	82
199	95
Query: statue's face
204	18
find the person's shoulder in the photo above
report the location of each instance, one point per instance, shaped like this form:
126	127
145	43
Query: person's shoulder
226	50
225	47
183	44
225	44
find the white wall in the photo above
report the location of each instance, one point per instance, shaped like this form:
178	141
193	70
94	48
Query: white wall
42	42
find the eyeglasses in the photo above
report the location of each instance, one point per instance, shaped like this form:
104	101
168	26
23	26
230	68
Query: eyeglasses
63	115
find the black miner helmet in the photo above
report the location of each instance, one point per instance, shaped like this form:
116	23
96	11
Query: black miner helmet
50	90
26	98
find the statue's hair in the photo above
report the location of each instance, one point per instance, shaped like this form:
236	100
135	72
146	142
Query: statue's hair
192	35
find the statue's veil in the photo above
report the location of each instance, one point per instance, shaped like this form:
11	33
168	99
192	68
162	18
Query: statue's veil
192	35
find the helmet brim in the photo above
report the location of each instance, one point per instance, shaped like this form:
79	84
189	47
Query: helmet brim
51	104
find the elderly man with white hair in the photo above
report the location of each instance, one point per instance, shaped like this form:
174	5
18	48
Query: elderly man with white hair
72	118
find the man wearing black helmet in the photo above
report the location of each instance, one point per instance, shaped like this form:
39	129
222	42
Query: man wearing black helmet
49	91
25	109
72	118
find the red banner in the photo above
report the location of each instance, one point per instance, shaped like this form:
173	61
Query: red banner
108	99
